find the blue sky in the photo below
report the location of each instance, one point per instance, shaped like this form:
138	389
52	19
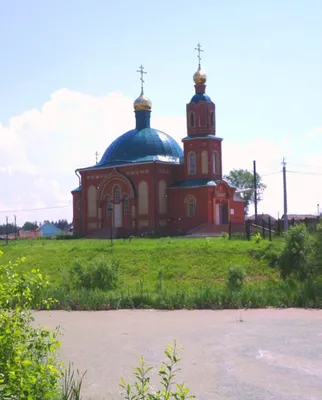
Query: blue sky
264	73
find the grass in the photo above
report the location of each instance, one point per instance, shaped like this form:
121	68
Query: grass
164	273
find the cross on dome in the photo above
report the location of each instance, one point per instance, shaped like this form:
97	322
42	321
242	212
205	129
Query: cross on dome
142	103
199	50
200	77
142	72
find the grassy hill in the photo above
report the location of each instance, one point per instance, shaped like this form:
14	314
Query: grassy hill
191	261
160	273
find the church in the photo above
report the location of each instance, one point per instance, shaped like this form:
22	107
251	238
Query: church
146	183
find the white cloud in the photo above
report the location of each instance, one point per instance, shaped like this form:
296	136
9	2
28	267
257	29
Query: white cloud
40	150
315	132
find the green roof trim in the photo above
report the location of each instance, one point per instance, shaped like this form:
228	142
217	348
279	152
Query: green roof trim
195	183
79	189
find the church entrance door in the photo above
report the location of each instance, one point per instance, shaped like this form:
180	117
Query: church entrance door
117	215
221	214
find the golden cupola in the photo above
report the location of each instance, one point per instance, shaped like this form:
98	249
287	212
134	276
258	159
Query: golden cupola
200	77
142	103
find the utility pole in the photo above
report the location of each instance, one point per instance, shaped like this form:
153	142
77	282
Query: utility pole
15	228
255	190
7	233
285	197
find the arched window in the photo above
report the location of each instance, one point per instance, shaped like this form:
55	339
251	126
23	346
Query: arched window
190	207
109	205
216	163
162	197
143	191
192	119
192	161
126	205
91	201
211	119
117	193
204	162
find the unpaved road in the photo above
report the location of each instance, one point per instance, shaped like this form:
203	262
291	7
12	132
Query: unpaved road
272	355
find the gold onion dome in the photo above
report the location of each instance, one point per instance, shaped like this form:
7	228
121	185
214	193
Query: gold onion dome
200	77
142	103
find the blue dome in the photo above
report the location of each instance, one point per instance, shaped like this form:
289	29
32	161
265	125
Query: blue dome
142	146
200	97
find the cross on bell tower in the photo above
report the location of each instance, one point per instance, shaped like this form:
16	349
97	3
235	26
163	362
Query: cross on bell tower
142	72
199	50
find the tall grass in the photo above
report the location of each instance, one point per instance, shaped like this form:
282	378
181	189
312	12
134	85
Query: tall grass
251	295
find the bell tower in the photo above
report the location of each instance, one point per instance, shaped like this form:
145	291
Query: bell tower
202	148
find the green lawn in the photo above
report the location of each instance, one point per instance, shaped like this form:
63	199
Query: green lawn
167	273
181	261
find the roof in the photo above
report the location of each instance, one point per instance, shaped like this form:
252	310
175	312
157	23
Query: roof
200	97
49	229
194	183
264	217
78	189
300	216
203	136
137	146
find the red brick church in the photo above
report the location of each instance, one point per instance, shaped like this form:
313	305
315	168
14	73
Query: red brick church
146	183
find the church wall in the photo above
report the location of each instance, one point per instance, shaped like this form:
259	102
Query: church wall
238	215
199	147
178	215
76	212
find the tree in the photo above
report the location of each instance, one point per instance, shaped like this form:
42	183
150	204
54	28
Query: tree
10	229
244	179
29	226
298	255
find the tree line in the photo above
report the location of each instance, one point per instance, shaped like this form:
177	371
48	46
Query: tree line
10	228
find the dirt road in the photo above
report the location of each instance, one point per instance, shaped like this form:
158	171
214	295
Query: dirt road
271	355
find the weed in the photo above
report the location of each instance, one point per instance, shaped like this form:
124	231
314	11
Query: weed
235	279
100	274
170	390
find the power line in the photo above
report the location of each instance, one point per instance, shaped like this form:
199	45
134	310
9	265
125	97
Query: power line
306	166
34	209
272	173
305	173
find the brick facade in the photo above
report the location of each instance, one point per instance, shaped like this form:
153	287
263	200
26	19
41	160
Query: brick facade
161	196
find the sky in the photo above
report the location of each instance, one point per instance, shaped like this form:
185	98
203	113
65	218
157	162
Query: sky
68	81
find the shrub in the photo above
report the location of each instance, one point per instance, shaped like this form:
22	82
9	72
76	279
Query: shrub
170	390
297	254
235	278
257	238
28	368
272	255
100	274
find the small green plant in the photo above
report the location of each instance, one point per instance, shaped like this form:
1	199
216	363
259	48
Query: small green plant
297	255
224	235
257	238
235	278
71	384
100	274
170	390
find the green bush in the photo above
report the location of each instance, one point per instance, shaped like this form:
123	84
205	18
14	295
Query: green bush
297	258
170	390
28	367
235	278
101	273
